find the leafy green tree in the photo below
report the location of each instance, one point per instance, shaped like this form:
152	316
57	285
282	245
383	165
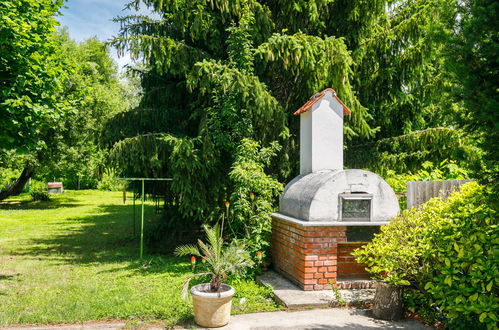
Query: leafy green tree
98	93
473	55
408	153
32	74
458	92
32	77
93	93
399	62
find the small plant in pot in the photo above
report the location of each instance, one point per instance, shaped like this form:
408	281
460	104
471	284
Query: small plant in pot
212	301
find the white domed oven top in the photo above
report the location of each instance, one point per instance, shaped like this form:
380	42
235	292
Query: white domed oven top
347	196
323	192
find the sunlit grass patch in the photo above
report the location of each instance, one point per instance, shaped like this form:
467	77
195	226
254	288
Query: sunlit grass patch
75	259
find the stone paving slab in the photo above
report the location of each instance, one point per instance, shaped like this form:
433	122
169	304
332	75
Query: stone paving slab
293	297
113	325
318	319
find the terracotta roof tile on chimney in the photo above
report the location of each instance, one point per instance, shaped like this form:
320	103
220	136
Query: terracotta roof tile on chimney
316	97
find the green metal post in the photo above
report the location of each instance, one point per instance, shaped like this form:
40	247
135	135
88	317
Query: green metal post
142	202
142	224
134	195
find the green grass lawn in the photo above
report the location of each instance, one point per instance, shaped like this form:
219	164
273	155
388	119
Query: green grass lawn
75	259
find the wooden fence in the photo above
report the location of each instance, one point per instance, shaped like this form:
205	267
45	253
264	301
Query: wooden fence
421	191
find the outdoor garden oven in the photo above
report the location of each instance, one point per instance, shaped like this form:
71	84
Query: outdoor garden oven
326	211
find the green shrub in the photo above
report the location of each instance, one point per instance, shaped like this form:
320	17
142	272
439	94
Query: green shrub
108	181
39	191
446	250
38	186
39	196
253	197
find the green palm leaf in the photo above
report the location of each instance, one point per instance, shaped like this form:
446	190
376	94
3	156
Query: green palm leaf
220	261
187	250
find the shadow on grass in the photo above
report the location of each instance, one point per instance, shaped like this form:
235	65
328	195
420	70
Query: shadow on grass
6	277
60	201
187	321
104	238
152	264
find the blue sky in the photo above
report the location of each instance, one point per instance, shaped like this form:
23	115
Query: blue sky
87	18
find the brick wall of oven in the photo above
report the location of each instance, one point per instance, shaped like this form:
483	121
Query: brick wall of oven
348	267
313	256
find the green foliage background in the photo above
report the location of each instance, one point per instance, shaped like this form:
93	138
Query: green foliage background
446	251
65	146
221	72
472	57
32	74
221	80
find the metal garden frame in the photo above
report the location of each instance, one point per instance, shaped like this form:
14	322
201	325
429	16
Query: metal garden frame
142	207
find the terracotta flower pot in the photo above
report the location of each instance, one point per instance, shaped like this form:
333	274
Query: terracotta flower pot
211	309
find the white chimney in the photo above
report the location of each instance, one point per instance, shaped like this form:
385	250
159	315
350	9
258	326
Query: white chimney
321	132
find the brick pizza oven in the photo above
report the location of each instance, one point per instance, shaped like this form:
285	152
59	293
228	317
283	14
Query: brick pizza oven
327	211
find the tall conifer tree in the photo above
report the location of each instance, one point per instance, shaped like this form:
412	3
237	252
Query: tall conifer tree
220	71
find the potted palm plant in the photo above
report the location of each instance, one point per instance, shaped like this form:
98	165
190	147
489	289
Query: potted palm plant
212	301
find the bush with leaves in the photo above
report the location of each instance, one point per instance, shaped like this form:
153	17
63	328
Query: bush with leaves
109	182
40	196
446	250
39	191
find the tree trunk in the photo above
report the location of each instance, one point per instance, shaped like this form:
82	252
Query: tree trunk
215	284
18	186
388	302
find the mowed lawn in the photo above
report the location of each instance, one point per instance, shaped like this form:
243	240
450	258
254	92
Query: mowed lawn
75	259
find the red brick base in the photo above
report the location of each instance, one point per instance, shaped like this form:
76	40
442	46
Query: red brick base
313	257
348	267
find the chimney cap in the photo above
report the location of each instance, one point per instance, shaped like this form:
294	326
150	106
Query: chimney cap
316	97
